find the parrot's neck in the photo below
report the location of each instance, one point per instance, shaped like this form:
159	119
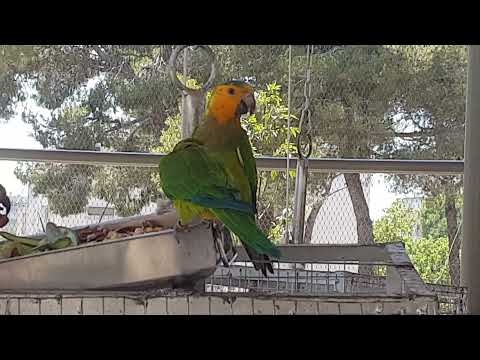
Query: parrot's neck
219	135
223	109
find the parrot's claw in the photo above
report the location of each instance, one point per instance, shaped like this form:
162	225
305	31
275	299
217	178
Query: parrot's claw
234	257
179	227
218	245
221	239
223	256
206	223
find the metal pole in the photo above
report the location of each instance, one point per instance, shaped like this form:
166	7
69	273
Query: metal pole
266	163
193	103
300	200
193	111
470	252
301	179
185	123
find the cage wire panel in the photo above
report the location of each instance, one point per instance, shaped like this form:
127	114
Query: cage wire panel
375	102
298	288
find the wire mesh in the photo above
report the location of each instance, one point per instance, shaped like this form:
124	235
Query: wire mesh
451	299
367	101
376	102
304	279
72	196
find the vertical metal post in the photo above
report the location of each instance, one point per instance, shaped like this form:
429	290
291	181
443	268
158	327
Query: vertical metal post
470	252
289	101
193	103
193	110
301	179
300	200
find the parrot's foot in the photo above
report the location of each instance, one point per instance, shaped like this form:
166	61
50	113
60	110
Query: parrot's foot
217	236
222	237
221	251
179	227
206	223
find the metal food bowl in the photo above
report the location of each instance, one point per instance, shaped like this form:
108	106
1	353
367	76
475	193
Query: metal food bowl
154	260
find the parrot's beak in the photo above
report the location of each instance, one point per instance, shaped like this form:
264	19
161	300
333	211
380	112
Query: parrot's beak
248	104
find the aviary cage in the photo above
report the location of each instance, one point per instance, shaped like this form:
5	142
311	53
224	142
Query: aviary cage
313	279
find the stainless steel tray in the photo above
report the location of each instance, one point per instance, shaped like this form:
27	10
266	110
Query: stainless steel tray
147	261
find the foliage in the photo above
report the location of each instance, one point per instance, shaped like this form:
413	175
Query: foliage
429	253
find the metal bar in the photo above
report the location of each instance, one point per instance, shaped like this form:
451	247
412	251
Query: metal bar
261	284
437	167
405	272
371	254
193	111
301	182
470	265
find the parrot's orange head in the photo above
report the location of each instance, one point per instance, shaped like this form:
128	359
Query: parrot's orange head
230	100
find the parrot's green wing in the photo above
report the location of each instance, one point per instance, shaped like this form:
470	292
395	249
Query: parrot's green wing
245	155
188	173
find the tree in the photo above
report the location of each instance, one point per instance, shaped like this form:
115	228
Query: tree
428	254
433	110
437	223
353	90
118	96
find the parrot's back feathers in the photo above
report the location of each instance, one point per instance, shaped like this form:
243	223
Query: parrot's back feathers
202	180
225	203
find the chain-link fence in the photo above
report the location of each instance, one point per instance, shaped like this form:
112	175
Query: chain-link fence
365	102
331	217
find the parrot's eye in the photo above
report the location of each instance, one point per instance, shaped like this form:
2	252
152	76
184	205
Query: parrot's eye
231	91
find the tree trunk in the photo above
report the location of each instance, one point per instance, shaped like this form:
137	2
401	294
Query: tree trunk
312	217
362	215
317	206
453	243
360	208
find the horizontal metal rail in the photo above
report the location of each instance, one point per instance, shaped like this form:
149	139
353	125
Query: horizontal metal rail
437	167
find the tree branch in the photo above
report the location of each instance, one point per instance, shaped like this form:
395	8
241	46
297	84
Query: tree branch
112	61
126	125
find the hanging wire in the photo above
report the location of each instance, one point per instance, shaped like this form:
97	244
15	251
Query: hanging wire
288	141
185	74
450	253
301	179
185	66
305	126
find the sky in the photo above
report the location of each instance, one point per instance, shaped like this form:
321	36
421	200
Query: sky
14	134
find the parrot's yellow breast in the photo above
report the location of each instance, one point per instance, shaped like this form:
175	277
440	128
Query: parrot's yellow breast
187	211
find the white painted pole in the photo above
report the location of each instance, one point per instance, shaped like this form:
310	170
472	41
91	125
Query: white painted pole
470	252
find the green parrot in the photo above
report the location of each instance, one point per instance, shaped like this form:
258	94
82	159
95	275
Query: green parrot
224	143
199	186
226	140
